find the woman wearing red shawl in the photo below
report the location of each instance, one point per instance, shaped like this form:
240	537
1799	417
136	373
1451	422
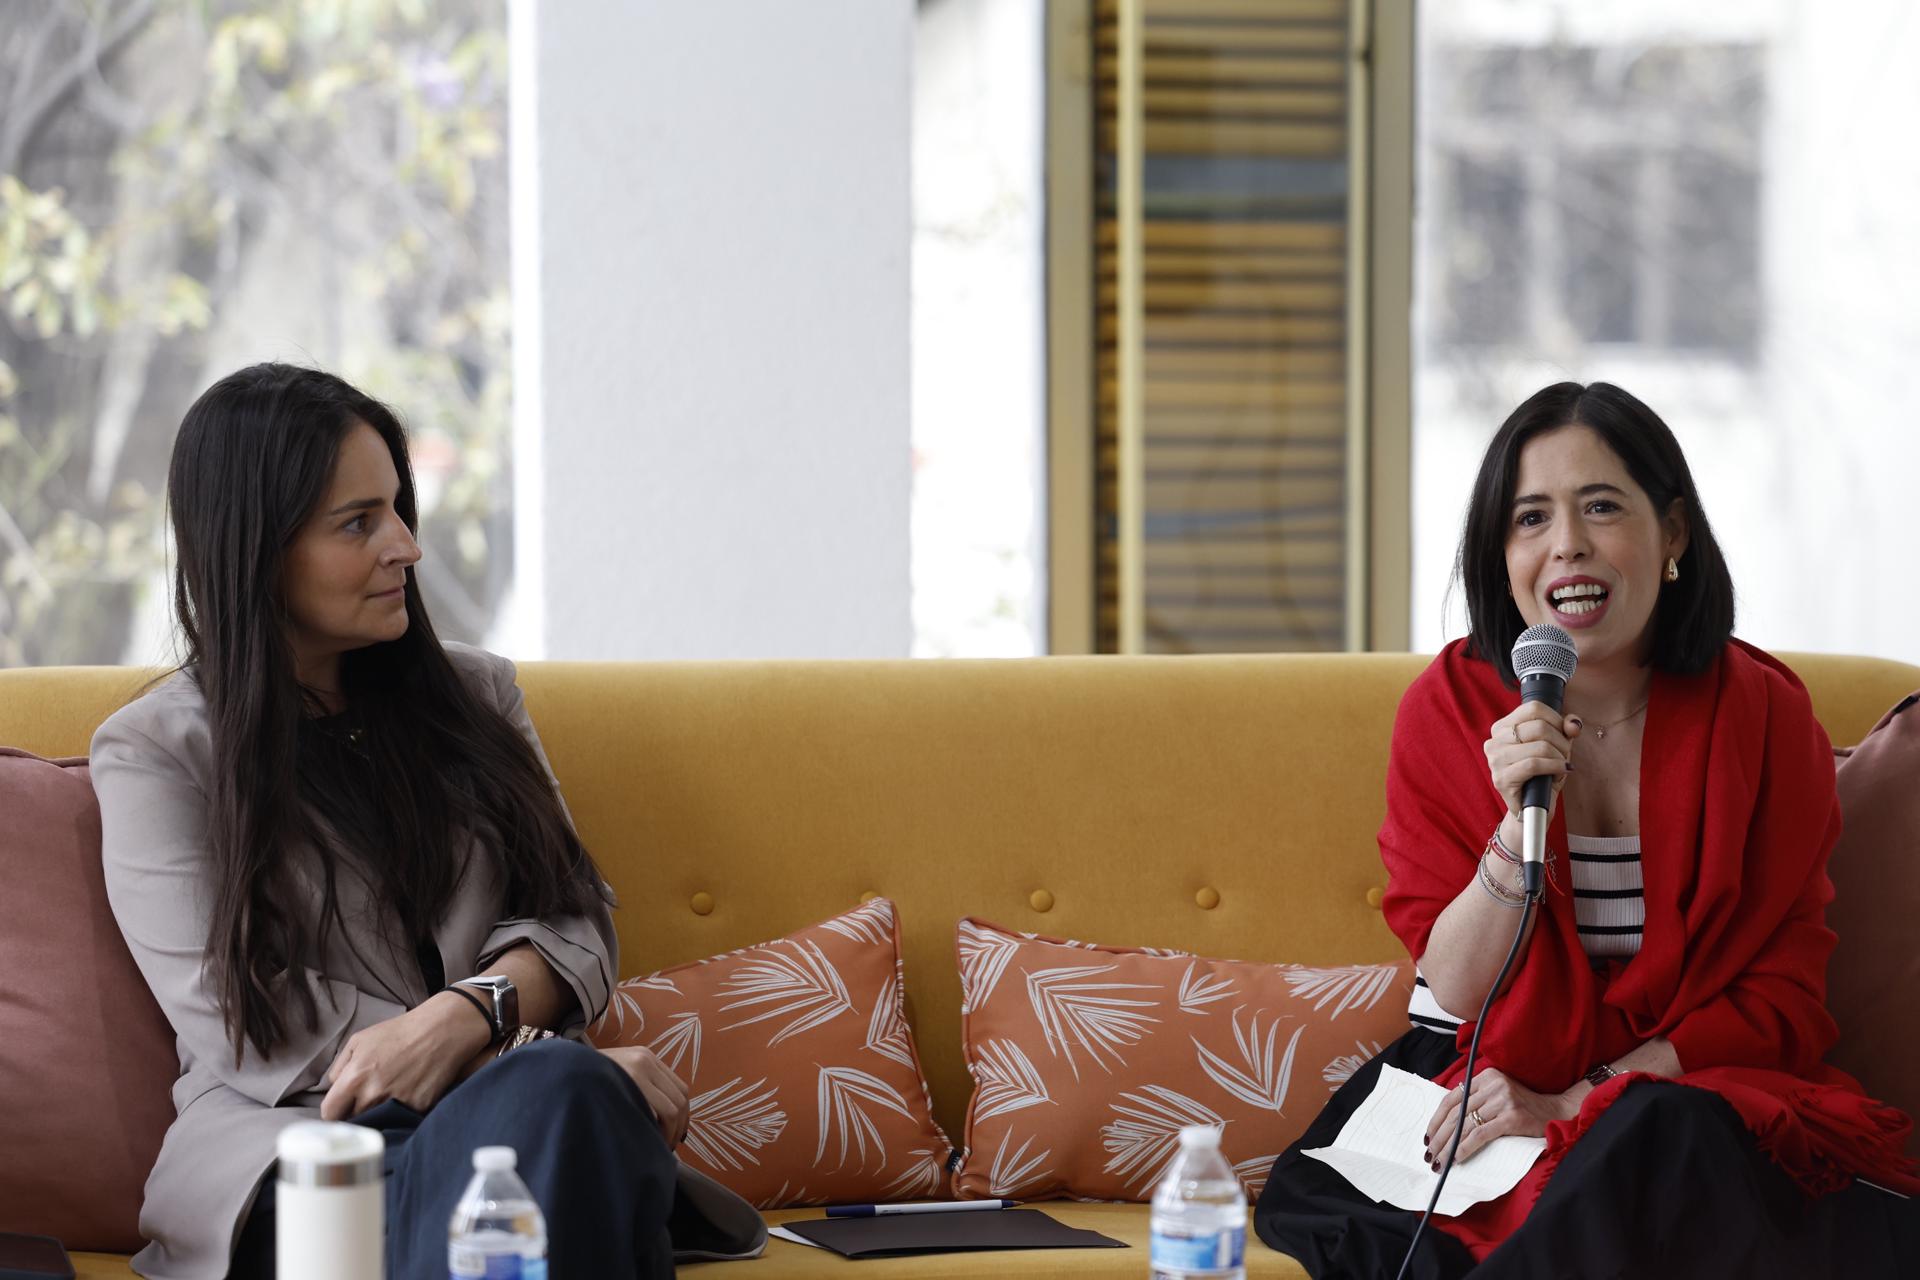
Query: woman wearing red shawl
1664	1023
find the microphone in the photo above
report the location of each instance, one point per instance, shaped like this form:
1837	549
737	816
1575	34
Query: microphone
1544	658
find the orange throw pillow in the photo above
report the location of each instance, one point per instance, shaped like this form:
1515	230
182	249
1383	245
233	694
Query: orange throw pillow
805	1084
1088	1060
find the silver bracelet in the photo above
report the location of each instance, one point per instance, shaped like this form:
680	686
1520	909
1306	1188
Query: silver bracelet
1496	844
1495	890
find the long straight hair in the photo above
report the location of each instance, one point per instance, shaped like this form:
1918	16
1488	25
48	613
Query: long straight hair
1694	616
251	464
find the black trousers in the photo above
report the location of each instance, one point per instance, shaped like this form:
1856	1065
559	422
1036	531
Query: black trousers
588	1148
1668	1182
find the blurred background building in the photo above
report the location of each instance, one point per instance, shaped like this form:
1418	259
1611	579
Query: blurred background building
964	327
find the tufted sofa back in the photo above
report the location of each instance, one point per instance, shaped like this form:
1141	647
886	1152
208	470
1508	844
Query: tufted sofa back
1224	805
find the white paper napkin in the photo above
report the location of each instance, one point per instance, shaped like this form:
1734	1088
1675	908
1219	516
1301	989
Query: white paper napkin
1382	1151
782	1233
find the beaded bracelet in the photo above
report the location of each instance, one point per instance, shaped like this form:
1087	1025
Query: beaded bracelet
522	1036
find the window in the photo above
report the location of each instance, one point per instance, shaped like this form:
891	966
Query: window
1711	205
185	189
1221	515
1598	195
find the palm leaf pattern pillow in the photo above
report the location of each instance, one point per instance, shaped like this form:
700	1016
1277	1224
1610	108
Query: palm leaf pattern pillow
1088	1060
804	1084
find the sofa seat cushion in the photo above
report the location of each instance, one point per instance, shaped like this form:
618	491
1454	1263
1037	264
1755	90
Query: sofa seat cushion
1123	1222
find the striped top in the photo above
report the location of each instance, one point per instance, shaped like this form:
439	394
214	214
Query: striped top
1609	907
1608	902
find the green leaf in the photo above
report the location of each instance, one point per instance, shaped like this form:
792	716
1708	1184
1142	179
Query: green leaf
25	299
86	315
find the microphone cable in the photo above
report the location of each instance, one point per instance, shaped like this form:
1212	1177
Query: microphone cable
1466	1088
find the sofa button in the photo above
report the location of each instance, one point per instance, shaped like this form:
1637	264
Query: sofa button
1376	896
1040	900
702	904
1207	899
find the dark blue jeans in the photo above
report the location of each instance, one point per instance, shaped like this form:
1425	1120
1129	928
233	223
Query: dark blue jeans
589	1151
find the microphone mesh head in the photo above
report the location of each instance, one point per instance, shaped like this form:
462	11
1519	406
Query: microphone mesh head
1544	650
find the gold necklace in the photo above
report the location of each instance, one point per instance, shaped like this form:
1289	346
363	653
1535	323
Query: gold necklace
1600	730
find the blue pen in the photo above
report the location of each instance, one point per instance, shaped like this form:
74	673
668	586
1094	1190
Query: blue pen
930	1206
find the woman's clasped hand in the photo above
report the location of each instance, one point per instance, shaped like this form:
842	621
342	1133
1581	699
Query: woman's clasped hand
1502	1107
664	1091
412	1059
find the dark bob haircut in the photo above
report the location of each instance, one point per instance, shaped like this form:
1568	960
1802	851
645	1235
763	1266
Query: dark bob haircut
1694	617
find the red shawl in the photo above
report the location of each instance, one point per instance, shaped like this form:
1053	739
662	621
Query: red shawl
1737	816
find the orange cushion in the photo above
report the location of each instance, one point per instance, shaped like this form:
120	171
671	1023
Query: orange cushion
806	1086
1088	1060
87	1059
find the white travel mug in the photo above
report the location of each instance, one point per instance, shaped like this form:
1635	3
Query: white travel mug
330	1218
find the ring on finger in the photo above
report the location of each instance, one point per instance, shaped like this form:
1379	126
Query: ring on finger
1475	1116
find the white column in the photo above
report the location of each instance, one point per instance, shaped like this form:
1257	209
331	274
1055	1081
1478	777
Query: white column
711	231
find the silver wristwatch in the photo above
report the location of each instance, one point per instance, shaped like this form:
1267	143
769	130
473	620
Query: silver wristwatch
501	999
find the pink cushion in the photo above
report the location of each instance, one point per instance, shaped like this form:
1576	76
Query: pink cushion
87	1060
1875	969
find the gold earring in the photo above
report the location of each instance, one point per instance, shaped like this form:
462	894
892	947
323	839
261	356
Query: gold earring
1673	569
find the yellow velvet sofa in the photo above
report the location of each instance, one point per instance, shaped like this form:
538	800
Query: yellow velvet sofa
1225	805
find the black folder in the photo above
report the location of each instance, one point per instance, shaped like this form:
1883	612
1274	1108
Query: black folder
899	1235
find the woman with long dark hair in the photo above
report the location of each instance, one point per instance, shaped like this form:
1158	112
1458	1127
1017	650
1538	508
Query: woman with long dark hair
337	853
1664	1023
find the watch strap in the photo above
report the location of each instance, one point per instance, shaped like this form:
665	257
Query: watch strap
493	1027
1600	1074
501	1001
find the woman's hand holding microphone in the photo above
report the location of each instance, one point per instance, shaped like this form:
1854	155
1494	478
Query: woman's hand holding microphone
1532	741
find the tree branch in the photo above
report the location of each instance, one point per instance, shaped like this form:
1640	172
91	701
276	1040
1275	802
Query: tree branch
11	533
97	48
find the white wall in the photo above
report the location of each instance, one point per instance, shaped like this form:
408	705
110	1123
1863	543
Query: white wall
711	306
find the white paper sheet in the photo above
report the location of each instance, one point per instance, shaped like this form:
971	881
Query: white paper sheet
781	1233
1382	1150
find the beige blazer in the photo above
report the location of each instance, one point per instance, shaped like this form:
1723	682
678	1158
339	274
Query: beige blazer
151	761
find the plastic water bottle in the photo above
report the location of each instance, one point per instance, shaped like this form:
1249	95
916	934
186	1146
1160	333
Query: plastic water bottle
1199	1214
497	1232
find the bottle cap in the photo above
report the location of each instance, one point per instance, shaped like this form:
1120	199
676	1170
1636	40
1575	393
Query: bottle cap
314	1153
494	1159
1199	1135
